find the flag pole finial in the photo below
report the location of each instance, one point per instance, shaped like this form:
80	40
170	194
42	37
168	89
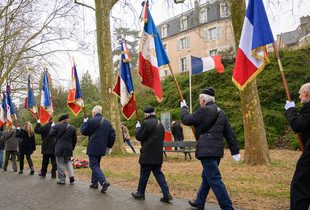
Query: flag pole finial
73	60
27	69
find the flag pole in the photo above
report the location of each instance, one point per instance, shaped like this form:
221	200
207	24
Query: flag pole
85	116
181	96
286	88
134	99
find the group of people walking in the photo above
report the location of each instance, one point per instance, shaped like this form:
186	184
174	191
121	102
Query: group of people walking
211	126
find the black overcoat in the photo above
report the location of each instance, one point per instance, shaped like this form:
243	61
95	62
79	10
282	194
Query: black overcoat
65	140
177	131
48	145
27	144
151	134
210	142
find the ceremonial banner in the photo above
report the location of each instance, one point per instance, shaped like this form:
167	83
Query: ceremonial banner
252	55
206	63
75	101
3	111
46	108
152	54
30	102
10	112
124	86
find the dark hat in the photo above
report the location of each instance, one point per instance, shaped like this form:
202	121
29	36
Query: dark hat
148	110
63	117
208	90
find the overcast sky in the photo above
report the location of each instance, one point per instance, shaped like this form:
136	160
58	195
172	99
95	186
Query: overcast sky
283	15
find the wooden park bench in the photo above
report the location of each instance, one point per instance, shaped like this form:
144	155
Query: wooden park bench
187	147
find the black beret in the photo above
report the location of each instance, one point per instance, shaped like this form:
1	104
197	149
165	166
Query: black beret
148	110
63	117
208	90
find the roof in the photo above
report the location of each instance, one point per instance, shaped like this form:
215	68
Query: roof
290	37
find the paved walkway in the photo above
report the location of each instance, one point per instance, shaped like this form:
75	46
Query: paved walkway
24	191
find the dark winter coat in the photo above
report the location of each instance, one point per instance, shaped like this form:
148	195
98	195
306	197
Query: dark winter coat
48	145
300	123
27	144
210	142
1	141
177	131
151	134
10	141
64	138
102	139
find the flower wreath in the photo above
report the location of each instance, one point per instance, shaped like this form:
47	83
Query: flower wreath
76	163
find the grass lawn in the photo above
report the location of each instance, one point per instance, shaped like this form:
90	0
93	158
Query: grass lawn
249	187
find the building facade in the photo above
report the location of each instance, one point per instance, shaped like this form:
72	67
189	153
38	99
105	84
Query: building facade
203	31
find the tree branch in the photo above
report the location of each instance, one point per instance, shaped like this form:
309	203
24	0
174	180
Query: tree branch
84	5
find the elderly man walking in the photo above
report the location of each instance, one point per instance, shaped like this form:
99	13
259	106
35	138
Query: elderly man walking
65	140
300	186
211	125
101	139
151	134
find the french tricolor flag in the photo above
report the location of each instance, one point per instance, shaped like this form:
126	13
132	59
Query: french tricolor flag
75	100
252	55
10	111
3	111
206	64
46	109
152	53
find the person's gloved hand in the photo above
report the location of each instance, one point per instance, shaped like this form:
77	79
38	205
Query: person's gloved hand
109	150
138	125
18	128
289	104
183	103
236	157
53	124
38	121
85	119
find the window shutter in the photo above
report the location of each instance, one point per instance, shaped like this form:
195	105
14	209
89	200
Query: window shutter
180	65
206	35
218	32
178	44
187	41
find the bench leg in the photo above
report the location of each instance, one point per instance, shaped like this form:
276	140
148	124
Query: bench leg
185	153
190	157
165	154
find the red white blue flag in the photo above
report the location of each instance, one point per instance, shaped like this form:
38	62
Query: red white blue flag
3	111
124	86
152	53
252	55
46	108
75	100
30	102
204	64
10	112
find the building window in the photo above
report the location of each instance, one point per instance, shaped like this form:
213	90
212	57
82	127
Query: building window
212	33
183	23
203	16
164	31
224	10
183	43
166	48
183	64
213	52
165	72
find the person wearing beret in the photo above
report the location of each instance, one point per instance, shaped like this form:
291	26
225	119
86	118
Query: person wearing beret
151	135
47	148
65	140
101	139
300	185
211	125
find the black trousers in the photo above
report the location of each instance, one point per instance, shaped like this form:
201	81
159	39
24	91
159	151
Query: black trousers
45	162
21	162
300	186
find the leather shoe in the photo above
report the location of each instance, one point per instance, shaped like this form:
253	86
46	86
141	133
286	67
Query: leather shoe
166	198
53	176
194	204
42	175
137	195
31	172
105	186
93	186
72	179
60	183
20	172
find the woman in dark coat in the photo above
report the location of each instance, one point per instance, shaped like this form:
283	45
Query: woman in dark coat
27	145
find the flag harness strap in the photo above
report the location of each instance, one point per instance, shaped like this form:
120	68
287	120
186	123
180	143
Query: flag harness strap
99	125
213	122
63	133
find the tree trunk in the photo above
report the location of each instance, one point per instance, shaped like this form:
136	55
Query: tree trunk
110	107
256	147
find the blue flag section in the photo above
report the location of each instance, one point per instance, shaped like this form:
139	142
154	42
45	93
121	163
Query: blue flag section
46	108
30	103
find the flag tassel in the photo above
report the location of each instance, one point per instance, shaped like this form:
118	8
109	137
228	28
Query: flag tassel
286	88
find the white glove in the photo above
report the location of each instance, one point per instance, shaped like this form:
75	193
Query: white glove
138	125
236	157
109	150
85	119
18	128
183	103
53	124
38	121
289	104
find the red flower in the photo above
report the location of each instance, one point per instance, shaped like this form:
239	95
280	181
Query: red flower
83	165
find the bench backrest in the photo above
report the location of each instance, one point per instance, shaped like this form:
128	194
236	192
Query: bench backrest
179	144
